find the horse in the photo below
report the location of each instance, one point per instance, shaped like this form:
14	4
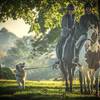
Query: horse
65	57
20	75
89	62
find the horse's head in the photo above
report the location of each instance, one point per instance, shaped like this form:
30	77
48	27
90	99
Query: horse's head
93	39
92	33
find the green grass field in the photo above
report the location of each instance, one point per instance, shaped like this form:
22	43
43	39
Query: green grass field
40	90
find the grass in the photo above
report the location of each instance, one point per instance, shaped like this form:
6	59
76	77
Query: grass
40	90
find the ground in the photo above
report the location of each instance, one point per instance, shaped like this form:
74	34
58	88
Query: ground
40	90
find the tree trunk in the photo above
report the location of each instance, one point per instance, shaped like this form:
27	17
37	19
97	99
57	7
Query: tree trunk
0	72
98	2
99	9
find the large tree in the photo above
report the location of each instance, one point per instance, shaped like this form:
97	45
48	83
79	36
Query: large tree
42	15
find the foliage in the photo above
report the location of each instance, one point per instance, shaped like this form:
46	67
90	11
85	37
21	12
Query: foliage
22	50
6	73
41	15
2	54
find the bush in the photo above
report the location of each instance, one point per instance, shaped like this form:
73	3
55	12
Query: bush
6	73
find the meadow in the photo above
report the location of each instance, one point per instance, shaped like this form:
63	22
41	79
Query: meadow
41	90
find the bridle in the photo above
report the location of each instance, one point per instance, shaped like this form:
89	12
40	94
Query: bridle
97	38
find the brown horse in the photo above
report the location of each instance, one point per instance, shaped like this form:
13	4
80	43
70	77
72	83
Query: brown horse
89	61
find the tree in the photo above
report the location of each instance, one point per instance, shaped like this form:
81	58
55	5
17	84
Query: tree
42	15
2	54
20	52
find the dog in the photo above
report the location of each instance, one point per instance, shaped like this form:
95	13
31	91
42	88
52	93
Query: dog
20	75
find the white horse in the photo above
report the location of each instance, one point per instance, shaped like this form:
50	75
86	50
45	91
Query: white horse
20	75
89	61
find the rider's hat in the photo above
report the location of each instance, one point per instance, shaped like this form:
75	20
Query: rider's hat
70	7
87	5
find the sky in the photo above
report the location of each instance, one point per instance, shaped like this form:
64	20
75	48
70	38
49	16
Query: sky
18	27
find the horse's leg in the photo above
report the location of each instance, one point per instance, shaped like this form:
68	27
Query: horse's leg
84	85
88	85
66	77
70	77
87	82
73	70
65	74
81	83
97	86
97	81
66	83
92	78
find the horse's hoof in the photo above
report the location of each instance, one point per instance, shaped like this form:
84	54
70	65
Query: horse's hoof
97	95
66	90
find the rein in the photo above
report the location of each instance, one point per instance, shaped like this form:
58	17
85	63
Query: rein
90	40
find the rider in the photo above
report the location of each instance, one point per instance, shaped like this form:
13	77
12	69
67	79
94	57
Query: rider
68	21
87	19
67	25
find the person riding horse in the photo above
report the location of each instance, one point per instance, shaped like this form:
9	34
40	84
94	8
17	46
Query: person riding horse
68	21
86	20
65	45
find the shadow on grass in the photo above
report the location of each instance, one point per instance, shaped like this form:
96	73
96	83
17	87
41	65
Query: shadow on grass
45	97
13	93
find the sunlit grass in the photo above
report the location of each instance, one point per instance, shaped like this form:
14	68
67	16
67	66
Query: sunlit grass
35	87
53	84
53	90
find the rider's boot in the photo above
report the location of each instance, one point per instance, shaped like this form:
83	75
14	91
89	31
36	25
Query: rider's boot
76	56
77	48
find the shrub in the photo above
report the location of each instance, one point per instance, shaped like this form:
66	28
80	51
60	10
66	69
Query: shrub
6	73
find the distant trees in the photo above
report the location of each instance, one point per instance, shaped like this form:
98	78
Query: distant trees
6	73
2	54
21	51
